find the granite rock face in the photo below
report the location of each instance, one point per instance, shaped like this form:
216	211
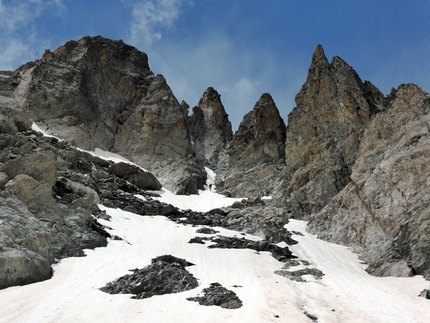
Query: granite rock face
333	107
384	211
251	163
101	93
210	127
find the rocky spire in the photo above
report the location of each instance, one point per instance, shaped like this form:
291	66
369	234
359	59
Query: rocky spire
261	134
210	127
256	152
323	134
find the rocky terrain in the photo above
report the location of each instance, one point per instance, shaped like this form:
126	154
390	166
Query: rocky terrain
352	161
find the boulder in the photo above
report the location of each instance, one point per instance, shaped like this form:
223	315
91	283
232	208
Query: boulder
217	295
135	175
21	267
166	275
41	166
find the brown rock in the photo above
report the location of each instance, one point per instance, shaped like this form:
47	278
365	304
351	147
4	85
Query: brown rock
323	133
40	166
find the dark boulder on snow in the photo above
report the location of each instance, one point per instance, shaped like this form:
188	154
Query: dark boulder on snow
425	293
217	295
296	275
279	253
165	275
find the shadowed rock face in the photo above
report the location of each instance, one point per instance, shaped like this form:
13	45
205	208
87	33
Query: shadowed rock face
210	127
251	162
323	133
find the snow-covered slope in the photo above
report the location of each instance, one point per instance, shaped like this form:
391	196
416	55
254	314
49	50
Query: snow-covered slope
345	294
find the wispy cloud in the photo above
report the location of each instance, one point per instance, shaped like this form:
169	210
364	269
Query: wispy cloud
18	35
239	74
151	17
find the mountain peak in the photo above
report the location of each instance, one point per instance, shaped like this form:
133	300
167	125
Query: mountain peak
319	55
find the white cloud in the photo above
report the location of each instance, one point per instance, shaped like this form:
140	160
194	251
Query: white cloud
241	75
18	34
20	13
151	17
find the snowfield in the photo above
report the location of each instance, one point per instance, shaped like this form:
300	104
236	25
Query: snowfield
346	293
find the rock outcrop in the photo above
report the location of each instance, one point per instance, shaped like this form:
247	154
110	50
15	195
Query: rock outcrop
384	211
165	275
251	163
323	133
37	226
210	127
217	295
101	93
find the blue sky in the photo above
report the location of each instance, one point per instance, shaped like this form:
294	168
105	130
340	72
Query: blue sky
241	48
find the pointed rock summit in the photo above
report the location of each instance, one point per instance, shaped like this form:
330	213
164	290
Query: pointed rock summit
261	134
324	131
256	151
210	127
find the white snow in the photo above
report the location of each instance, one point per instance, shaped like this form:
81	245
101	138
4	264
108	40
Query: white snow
354	295
206	200
45	133
345	294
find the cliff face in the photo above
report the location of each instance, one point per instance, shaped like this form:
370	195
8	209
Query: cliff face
384	211
324	130
251	162
100	93
210	127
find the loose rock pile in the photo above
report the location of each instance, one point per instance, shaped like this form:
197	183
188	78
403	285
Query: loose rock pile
166	275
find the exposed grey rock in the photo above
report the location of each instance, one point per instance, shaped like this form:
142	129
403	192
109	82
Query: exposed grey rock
135	175
297	274
40	166
100	93
267	222
22	266
217	295
324	132
425	293
206	230
383	213
210	127
166	275
251	163
280	254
